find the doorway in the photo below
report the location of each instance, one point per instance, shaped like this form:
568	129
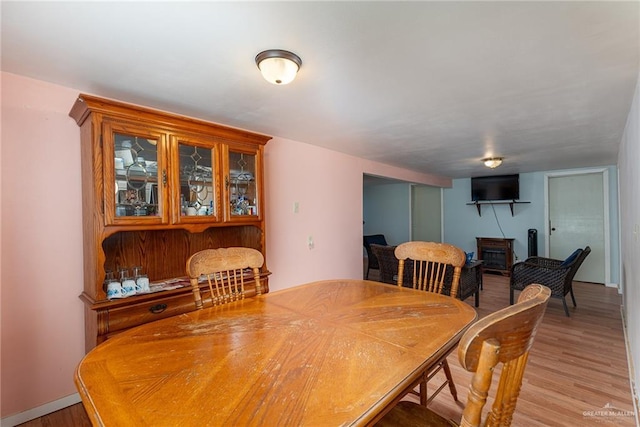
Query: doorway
426	213
577	215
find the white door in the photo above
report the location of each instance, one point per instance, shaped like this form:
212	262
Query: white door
577	219
426	213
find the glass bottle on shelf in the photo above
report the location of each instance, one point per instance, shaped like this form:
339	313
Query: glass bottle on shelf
142	280
112	286
183	205
128	283
108	277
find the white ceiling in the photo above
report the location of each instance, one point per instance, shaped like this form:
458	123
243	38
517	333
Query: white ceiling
429	86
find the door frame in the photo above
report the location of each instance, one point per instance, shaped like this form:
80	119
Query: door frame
605	195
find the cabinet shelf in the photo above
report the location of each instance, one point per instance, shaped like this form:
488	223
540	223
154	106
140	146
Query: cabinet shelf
478	205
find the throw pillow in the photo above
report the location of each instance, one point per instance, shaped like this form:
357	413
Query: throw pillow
571	258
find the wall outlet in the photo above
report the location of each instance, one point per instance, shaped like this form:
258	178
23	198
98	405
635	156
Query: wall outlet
310	242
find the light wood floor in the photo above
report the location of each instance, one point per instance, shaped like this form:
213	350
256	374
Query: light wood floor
72	416
577	365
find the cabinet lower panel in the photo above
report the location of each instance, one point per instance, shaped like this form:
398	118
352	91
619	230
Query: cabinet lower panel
104	320
127	317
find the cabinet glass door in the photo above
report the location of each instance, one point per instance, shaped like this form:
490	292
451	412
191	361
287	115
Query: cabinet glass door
136	171
197	181
134	188
242	187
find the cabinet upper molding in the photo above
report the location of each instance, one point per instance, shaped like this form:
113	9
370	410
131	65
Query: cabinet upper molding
87	104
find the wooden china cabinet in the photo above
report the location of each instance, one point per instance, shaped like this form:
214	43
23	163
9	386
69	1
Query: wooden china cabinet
158	187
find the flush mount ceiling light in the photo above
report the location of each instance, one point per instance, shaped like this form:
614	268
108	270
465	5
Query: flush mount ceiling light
492	162
278	66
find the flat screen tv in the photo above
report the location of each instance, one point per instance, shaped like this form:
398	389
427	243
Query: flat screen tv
498	187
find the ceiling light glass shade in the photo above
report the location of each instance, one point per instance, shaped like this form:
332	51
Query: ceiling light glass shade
492	162
278	66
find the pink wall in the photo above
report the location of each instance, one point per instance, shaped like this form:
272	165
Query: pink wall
41	240
42	317
328	188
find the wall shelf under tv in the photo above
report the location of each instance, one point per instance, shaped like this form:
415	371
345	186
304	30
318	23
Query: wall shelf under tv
488	202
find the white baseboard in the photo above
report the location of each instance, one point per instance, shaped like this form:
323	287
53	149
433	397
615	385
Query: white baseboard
45	409
632	371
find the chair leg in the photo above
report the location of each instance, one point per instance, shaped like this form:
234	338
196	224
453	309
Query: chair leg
573	298
366	276
452	385
423	392
511	296
425	399
566	309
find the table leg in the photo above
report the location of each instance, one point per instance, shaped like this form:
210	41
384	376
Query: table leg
478	285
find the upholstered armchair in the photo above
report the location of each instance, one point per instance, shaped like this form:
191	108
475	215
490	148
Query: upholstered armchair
556	274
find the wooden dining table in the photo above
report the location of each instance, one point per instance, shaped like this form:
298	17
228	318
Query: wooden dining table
328	353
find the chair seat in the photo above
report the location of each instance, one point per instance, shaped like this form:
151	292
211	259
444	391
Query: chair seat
409	414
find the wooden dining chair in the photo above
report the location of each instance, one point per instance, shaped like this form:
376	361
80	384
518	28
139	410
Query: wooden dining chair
225	270
505	336
431	263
